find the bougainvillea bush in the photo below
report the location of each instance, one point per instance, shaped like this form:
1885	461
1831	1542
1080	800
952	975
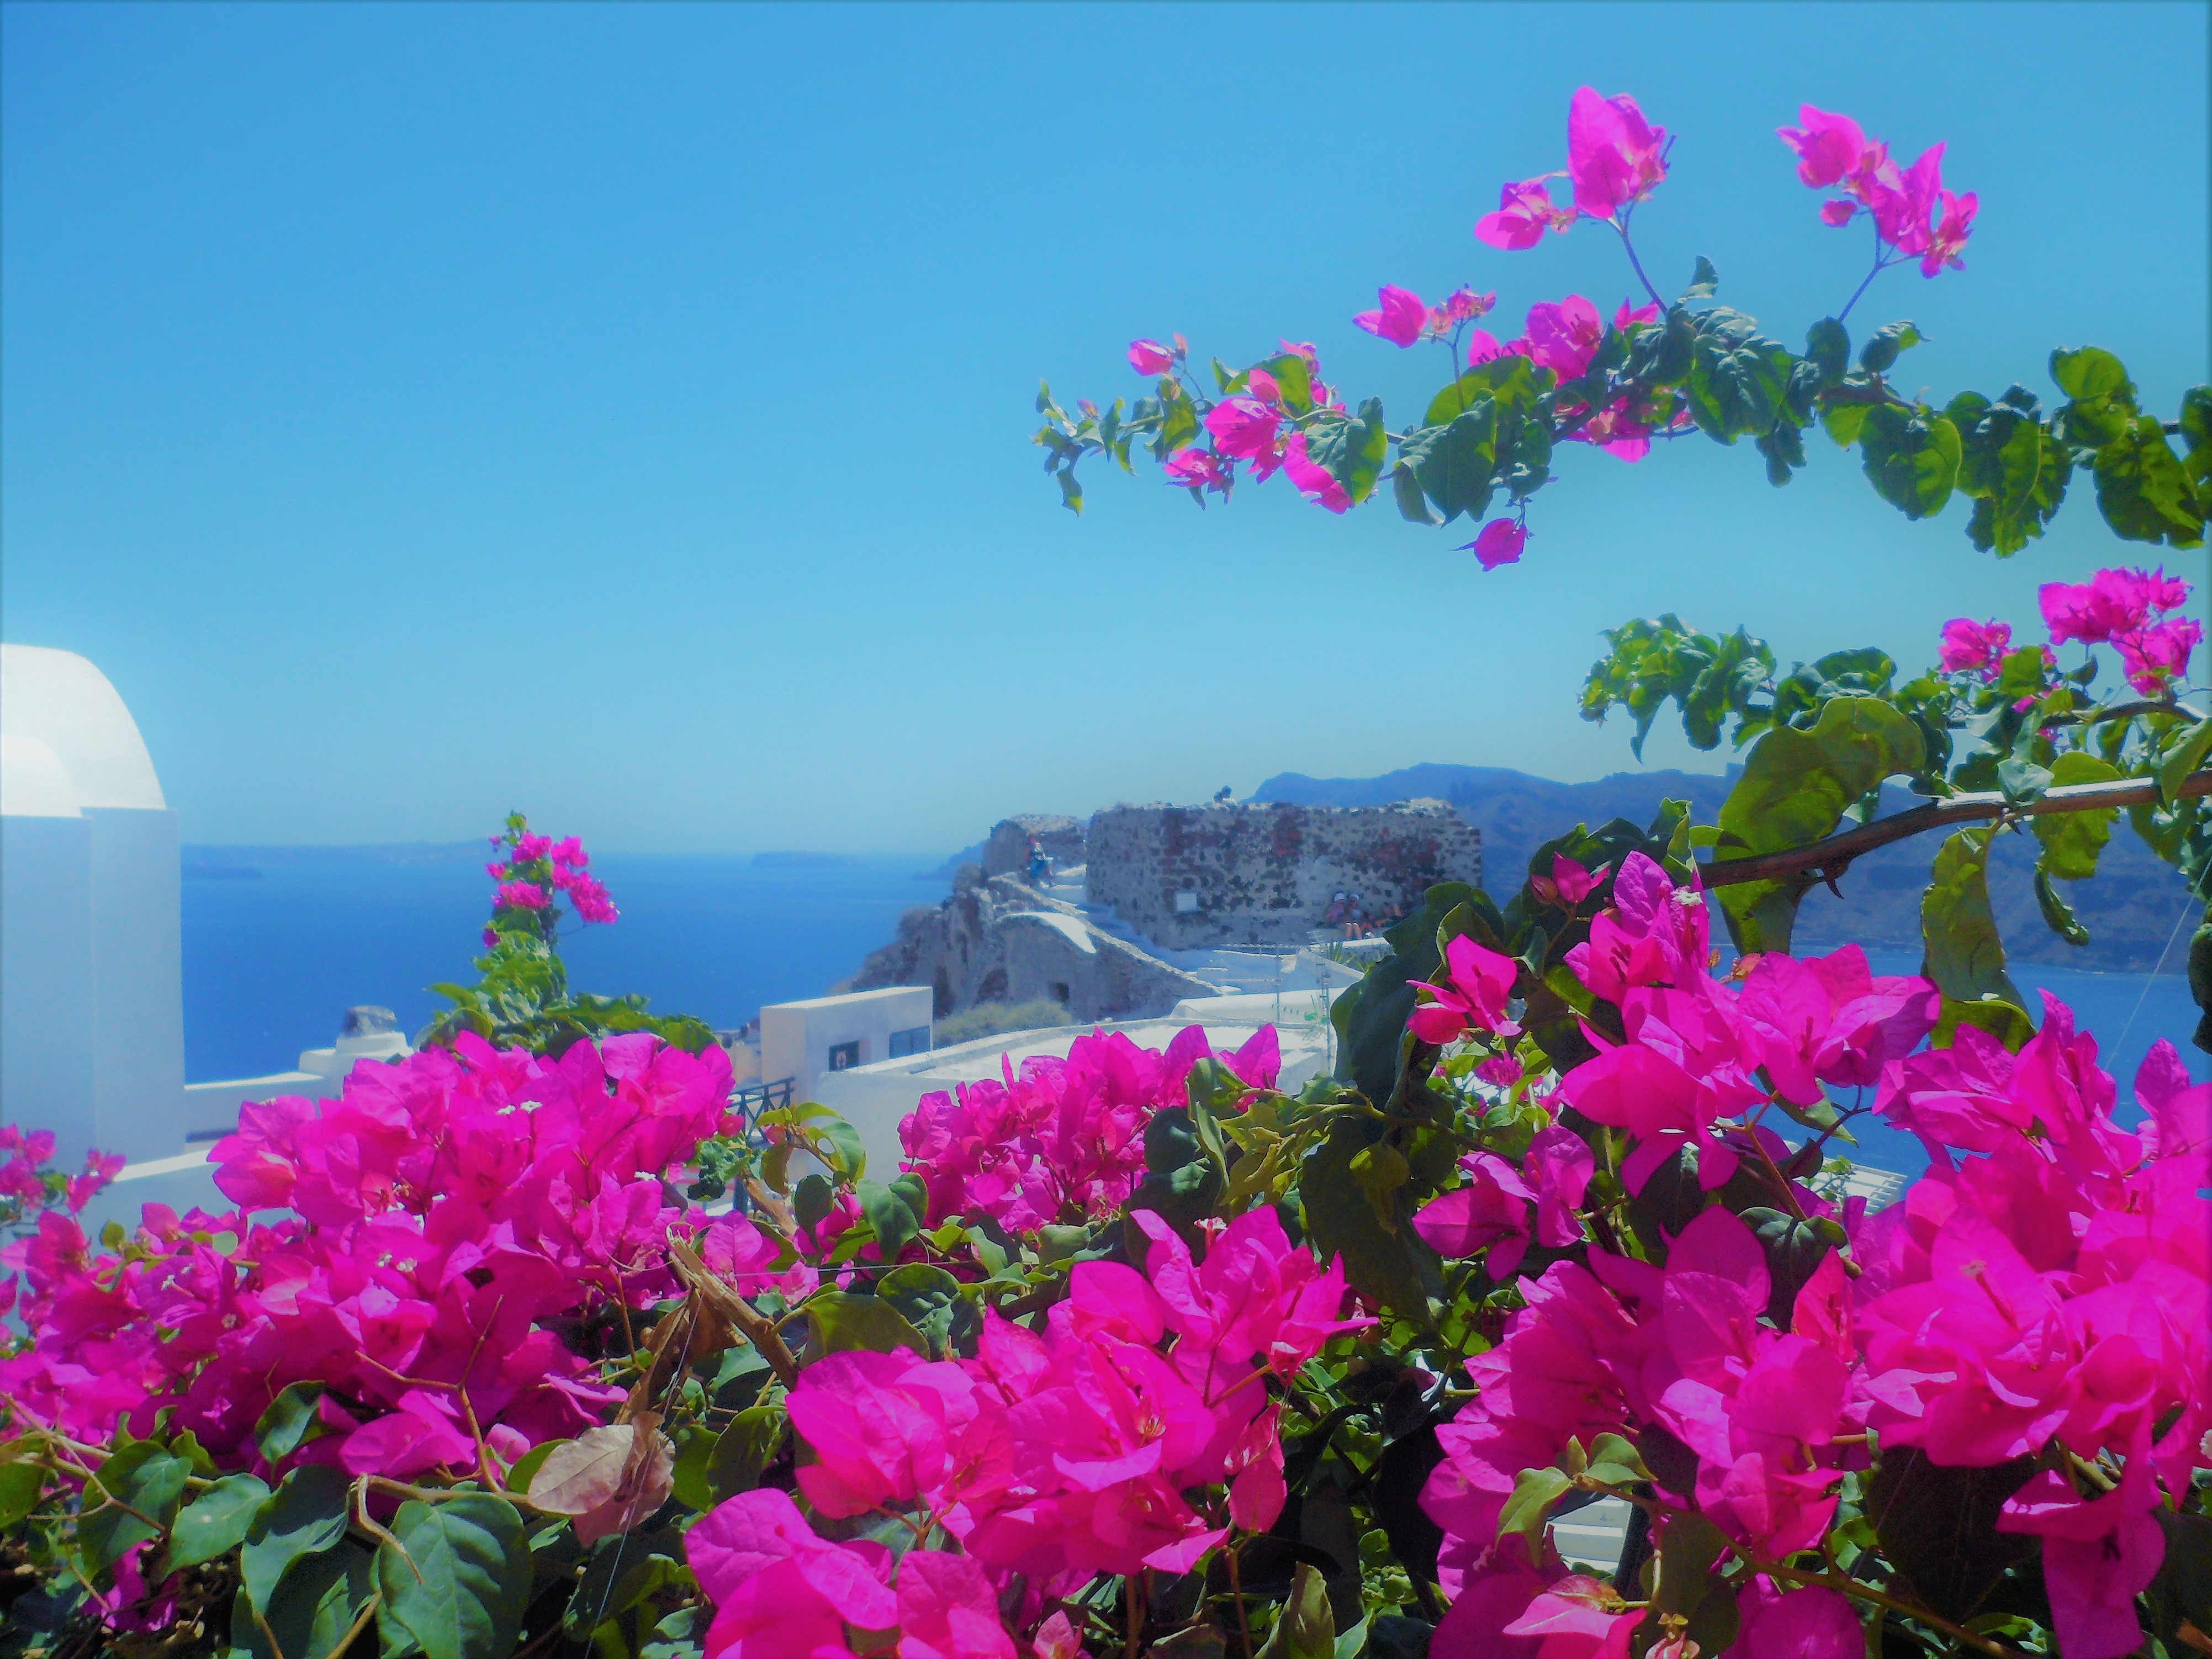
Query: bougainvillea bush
1159	1351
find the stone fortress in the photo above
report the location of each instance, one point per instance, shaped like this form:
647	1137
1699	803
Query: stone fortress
1149	905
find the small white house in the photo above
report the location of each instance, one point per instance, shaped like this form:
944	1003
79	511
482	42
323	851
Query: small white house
92	1041
807	1041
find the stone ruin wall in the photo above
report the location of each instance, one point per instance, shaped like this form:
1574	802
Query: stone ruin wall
1265	875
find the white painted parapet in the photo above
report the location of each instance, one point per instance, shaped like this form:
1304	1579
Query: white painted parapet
811	1040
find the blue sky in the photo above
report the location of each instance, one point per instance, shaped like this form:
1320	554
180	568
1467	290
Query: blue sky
624	413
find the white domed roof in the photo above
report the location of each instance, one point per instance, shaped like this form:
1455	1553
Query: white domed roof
66	707
33	783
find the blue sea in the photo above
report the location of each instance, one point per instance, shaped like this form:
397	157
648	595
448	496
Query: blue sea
273	959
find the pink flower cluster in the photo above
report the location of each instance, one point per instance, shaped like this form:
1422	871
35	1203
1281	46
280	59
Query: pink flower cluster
2047	1282
535	863
1251	427
1133	1432
1404	319
1834	152
1060	1140
2127	610
448	1209
1615	158
1565	336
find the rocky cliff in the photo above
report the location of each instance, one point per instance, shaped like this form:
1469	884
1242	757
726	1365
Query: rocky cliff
998	940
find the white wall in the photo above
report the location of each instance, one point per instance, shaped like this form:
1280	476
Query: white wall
91	964
796	1038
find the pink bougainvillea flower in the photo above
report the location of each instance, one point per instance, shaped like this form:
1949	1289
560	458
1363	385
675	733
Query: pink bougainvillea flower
1464	305
1264	385
1501	1070
569	853
1403	316
1954	225
1837	212
1525	211
1563	337
1486	1215
1151	357
1970	644
2098	1555
1244	430
1499	543
1810	1623
1482	346
1829	146
948	1609
1615	156
1568	884
1199	469
1577	1617
520	896
1314	482
529	848
1903	203
1477	981
2152	656
1560	1165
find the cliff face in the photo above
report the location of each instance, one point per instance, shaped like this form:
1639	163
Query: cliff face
1200	876
999	941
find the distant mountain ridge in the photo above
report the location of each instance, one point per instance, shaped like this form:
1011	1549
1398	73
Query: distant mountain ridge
2130	908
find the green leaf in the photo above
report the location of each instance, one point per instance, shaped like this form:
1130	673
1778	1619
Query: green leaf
1828	347
1937	1525
1964	954
1071	491
1784	449
215	1524
1381	1169
1510	381
695	1454
2090	372
1704	281
144	1477
1406	490
2183	758
1688	1587
812	1200
1306	1627
1794	789
1390	1263
1294	379
1737	386
845	1151
2057	915
304	1516
1842	421
1911	457
1882	346
843	1320
289	1422
1529	1509
2183	1588
323	1593
460	1581
896	1225
1350	448
2142	491
20	1486
2001	466
2071	842
1793	1249
1454	463
930	1300
1616	1462
748	1446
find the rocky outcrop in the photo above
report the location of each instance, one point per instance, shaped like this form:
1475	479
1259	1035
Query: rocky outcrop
1000	941
1007	851
1192	877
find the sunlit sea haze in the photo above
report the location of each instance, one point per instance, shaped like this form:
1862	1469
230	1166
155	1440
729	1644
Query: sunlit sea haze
273	958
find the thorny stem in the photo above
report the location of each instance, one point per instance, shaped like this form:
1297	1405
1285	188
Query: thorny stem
361	1623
